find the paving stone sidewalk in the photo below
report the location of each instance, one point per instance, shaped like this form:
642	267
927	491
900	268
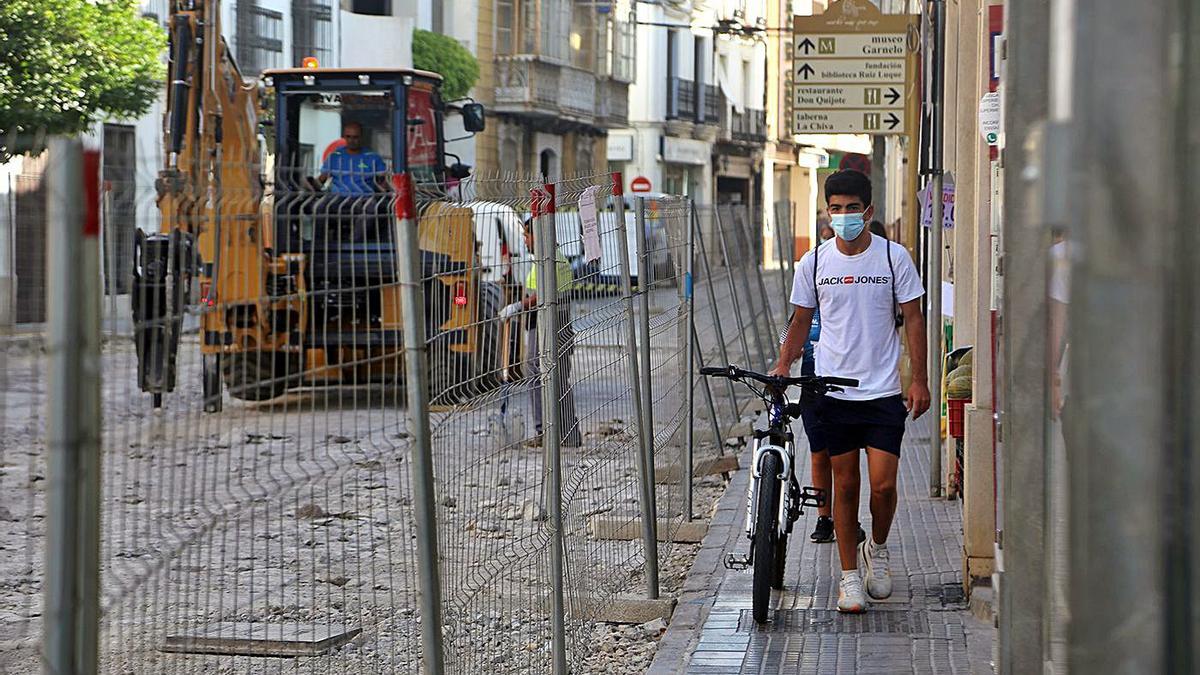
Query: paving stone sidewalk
924	627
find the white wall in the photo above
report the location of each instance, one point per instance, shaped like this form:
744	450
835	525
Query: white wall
375	41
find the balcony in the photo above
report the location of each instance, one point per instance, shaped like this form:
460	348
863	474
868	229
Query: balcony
749	125
532	86
612	104
681	99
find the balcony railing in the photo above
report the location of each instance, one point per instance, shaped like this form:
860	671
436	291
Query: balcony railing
749	125
712	101
681	99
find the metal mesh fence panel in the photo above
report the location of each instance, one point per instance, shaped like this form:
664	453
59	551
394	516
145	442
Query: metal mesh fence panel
257	480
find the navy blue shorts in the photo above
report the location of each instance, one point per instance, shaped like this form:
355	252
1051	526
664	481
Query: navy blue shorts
808	416
846	426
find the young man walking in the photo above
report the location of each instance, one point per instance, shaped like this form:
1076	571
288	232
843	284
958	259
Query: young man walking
866	289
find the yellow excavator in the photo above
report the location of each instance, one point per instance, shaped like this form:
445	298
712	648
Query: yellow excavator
278	227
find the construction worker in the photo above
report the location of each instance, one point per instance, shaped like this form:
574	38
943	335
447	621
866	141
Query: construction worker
568	426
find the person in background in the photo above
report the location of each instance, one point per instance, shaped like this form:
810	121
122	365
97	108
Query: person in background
878	229
568	426
356	171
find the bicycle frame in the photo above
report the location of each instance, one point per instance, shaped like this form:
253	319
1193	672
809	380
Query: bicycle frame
786	457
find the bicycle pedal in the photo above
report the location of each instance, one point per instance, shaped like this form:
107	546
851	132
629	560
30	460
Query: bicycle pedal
736	562
811	496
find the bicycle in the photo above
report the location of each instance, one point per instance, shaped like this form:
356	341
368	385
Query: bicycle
774	457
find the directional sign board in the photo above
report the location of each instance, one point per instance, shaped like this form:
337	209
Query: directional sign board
852	70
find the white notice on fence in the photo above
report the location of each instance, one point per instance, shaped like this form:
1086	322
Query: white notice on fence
591	225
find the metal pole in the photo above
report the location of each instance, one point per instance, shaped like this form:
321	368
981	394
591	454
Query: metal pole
698	362
689	450
546	252
935	337
783	264
733	294
416	359
768	306
645	480
72	589
1021	361
716	315
647	397
1130	423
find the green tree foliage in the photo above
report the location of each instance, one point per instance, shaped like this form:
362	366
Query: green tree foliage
65	63
445	56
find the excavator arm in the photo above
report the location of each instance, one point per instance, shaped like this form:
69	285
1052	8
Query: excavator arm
210	197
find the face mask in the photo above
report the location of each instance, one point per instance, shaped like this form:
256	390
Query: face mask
847	225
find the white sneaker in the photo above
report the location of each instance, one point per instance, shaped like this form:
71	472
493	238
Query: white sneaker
877	563
850	594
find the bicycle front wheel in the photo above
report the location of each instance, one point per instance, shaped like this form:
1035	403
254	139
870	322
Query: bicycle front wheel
766	537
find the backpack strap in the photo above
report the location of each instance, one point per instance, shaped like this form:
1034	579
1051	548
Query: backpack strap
895	298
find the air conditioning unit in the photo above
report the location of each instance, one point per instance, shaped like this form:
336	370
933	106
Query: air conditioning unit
739	14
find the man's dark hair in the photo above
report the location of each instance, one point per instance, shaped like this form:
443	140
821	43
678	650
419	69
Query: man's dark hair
849	182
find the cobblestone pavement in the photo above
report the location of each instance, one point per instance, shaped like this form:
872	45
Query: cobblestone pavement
923	628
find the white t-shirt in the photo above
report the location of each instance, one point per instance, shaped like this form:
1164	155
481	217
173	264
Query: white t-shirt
858	322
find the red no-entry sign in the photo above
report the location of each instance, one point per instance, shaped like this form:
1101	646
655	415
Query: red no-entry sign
639	184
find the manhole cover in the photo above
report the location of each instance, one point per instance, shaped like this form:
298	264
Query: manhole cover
902	622
950	594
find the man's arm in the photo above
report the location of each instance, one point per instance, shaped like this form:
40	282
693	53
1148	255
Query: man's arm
914	327
793	345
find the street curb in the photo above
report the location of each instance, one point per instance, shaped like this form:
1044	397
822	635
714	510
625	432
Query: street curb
704	579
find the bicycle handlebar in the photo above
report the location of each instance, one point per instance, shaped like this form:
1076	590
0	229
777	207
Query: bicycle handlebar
780	382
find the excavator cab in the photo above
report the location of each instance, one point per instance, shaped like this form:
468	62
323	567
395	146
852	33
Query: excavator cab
304	290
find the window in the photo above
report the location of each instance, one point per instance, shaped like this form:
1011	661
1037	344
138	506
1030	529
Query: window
372	7
506	26
259	38
312	31
624	49
556	28
582	37
119	206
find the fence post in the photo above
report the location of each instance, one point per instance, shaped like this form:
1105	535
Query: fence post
408	266
645	479
72	589
768	306
716	315
546	253
733	295
784	208
647	395
698	362
689	450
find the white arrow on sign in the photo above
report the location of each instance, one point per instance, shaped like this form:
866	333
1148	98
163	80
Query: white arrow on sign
847	122
843	45
851	71
827	96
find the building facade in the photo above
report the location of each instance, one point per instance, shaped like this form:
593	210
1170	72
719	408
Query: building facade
554	77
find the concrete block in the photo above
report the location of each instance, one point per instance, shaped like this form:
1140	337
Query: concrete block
262	639
708	467
980	603
629	529
634	609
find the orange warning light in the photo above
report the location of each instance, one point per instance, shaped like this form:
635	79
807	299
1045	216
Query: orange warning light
310	62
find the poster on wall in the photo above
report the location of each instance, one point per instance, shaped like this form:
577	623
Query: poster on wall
947	201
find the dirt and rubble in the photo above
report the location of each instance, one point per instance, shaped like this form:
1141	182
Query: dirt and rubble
299	511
